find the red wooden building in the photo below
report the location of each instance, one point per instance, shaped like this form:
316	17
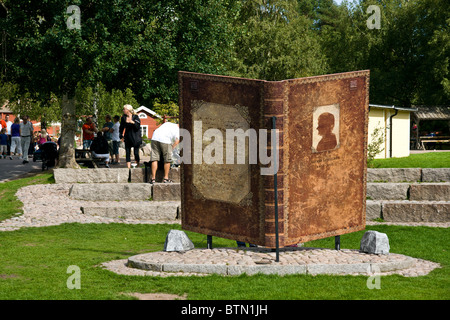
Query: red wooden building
53	129
149	121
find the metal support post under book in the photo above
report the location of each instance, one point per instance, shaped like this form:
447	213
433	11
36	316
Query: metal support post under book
275	186
337	242
209	242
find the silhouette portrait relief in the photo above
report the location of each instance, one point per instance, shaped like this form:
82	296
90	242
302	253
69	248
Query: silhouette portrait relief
326	128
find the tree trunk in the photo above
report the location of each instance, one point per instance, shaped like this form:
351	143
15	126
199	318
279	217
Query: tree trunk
68	131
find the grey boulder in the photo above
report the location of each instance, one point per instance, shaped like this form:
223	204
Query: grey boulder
177	240
375	242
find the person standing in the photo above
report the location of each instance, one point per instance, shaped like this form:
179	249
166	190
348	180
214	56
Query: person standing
8	131
131	123
26	133
15	139
107	132
164	140
2	123
115	140
89	129
3	143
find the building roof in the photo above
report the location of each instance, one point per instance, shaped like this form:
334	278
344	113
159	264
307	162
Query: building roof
151	112
5	109
392	107
432	113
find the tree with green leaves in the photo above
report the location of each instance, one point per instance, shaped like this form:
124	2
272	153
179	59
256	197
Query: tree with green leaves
276	42
56	45
408	56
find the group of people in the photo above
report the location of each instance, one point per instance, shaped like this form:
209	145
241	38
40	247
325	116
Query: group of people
17	137
104	143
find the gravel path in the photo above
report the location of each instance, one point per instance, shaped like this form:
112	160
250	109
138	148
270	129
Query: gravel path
49	204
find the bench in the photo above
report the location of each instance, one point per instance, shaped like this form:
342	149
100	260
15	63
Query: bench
85	156
440	140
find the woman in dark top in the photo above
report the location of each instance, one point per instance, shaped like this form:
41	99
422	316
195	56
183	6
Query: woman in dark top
131	123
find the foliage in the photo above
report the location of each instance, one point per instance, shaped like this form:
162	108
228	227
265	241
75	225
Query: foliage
375	145
408	56
275	42
140	45
170	109
98	102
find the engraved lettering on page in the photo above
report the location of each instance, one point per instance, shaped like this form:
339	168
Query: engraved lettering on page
219	181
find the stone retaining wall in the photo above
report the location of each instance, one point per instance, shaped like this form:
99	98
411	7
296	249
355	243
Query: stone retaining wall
111	175
425	198
408	175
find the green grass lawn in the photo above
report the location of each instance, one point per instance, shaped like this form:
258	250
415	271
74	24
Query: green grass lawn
420	160
34	264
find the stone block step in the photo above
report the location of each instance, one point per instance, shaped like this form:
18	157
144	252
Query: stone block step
408	211
387	191
394	175
430	191
110	175
167	192
111	191
439	191
126	191
436	174
148	210
408	174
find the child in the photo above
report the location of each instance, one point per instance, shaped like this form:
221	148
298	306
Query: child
3	143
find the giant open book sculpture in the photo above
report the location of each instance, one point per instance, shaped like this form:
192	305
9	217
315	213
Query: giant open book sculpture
227	182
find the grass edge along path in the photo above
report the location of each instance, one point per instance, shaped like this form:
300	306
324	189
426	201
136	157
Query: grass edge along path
10	205
419	160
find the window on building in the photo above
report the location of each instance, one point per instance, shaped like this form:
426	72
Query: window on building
144	130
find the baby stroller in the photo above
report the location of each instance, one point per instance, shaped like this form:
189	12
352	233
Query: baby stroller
49	154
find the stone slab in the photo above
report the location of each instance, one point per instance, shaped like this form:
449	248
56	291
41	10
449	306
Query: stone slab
151	210
430	191
101	175
387	191
111	191
167	191
416	211
436	174
196	268
373	209
174	174
394	174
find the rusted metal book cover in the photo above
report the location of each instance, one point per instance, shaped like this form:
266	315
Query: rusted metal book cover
322	146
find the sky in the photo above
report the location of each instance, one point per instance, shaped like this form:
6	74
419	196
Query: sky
340	1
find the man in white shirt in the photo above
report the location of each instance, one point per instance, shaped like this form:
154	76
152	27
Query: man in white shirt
164	139
26	133
8	131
